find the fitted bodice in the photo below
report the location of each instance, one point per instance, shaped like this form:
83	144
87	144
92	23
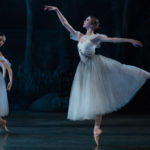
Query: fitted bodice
86	50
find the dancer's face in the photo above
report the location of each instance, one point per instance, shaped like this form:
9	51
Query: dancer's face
87	23
2	40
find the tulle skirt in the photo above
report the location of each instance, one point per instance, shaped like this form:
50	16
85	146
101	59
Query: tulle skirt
3	98
103	85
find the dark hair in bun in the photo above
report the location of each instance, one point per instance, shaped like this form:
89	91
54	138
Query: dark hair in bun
95	23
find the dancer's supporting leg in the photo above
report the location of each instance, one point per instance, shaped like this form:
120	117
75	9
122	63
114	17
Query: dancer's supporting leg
97	130
3	124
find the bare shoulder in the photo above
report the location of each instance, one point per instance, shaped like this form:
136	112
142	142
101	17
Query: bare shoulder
80	35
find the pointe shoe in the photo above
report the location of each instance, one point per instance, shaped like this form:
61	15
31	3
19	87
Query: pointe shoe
97	133
4	126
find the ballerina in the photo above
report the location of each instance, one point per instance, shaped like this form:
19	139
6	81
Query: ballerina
5	65
101	85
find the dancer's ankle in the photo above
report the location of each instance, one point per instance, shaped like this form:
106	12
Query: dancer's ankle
96	127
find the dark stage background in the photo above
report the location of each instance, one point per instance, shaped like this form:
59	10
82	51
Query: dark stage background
44	59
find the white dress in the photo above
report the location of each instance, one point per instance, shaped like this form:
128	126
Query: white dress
101	85
4	109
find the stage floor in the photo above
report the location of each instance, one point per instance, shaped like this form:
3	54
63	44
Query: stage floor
52	131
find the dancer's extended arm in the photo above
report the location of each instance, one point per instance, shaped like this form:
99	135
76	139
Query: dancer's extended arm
63	20
134	42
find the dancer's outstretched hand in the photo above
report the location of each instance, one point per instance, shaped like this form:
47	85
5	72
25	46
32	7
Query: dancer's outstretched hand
136	43
50	8
9	86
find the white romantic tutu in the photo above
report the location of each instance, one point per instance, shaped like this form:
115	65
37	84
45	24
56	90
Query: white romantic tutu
3	97
102	85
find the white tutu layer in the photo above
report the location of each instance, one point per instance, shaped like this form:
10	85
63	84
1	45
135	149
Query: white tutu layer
103	85
3	98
